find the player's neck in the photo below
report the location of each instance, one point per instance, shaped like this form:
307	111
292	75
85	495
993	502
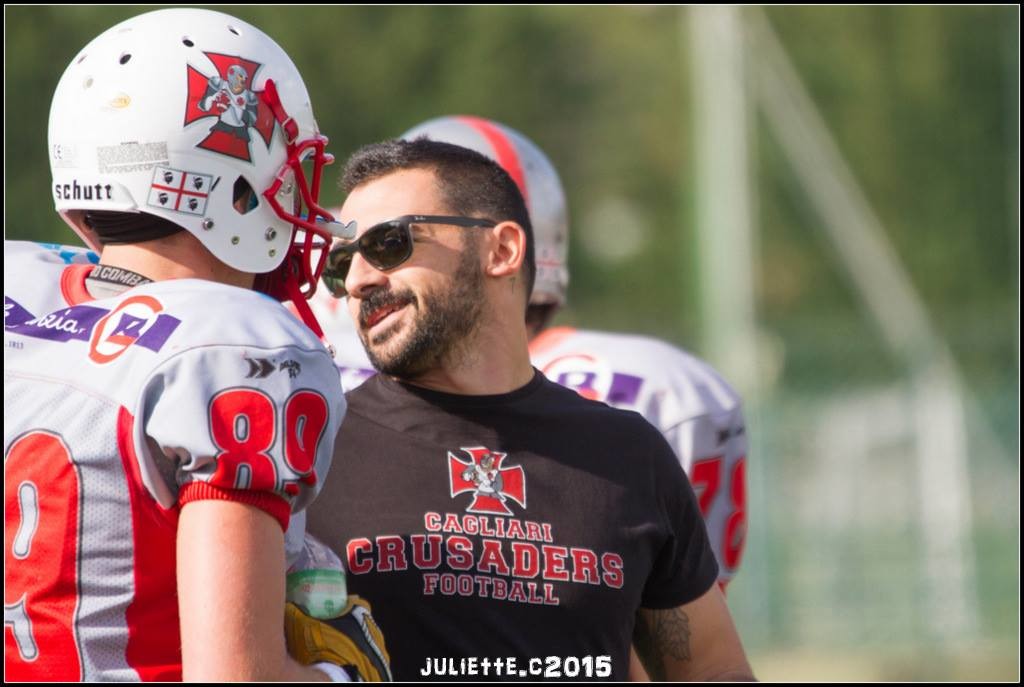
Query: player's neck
180	256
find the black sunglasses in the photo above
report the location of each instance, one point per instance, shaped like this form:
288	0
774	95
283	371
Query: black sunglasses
385	246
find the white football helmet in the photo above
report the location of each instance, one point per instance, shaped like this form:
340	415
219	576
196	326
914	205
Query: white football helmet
537	180
201	119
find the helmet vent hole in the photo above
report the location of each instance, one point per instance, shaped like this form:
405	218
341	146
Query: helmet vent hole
87	83
188	42
81	59
233	30
125	57
245	198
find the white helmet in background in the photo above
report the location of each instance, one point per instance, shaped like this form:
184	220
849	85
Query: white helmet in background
537	180
198	118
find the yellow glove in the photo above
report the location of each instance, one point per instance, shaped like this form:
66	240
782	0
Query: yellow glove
352	641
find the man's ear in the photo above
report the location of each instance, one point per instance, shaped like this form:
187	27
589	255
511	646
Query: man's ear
506	250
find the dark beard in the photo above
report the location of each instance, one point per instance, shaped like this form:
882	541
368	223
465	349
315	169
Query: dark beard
442	322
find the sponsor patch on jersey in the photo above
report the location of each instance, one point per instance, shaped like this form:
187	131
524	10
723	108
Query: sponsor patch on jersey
227	98
179	191
292	367
135	322
69	324
14	314
261	368
593	378
491	484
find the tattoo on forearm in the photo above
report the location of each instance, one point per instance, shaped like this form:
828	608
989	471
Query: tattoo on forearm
661	634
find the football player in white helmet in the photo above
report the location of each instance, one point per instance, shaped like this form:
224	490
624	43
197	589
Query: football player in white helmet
162	421
696	410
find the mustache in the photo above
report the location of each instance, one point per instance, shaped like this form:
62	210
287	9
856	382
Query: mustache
382	299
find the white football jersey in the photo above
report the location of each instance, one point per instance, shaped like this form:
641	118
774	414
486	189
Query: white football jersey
695	409
116	413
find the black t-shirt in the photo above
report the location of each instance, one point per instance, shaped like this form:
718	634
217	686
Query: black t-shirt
528	524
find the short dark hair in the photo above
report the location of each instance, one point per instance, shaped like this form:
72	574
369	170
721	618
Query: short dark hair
470	183
113	228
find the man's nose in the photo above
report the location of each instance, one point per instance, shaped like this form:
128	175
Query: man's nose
363	277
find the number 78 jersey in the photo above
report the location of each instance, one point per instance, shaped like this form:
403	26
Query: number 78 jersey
698	413
119	411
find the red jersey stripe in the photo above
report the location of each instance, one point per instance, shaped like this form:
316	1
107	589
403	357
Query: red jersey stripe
154	629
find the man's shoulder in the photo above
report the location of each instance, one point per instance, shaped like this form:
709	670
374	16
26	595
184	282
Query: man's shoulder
377	399
568	408
604	435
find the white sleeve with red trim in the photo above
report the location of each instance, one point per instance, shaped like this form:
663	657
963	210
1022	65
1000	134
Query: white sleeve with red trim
218	422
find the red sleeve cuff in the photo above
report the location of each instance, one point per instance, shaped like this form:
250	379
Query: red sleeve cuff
272	504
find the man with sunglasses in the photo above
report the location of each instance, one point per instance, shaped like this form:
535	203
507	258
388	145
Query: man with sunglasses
503	525
696	410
